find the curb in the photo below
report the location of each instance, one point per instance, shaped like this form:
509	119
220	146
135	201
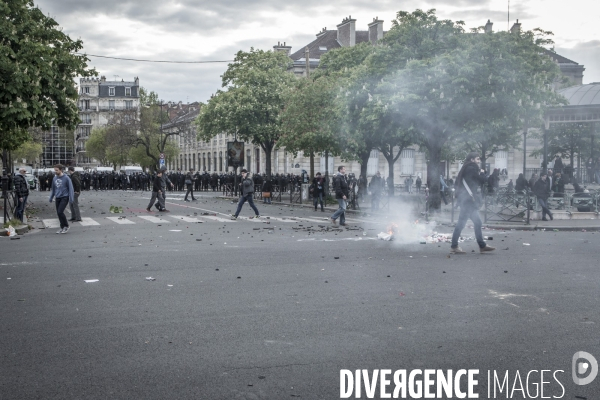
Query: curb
534	227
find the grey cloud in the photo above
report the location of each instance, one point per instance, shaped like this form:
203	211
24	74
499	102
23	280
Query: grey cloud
587	54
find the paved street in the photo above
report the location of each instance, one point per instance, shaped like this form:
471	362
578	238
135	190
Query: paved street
273	308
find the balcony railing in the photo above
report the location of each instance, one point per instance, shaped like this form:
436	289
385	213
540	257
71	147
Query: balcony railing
117	108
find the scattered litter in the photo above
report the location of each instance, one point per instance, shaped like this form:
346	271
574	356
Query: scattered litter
91	280
10	231
170	285
15	238
115	209
385	236
444	238
174	230
402	294
526	244
149	278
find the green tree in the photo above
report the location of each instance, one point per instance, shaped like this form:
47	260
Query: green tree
96	147
307	123
483	87
28	151
37	67
251	102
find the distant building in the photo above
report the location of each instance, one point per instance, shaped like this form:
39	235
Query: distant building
58	147
100	103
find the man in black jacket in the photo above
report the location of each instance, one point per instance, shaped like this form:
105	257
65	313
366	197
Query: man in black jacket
341	195
76	180
247	193
469	179
22	192
542	191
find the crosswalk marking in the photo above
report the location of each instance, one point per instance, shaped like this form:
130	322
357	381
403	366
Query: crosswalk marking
154	219
132	220
51	223
185	219
88	222
122	221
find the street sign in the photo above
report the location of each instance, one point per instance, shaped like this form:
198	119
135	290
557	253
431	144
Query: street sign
161	162
162	157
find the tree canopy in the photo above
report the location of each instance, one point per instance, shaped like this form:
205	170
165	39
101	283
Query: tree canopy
251	101
37	67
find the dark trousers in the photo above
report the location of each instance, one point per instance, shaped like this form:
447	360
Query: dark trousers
190	189
61	204
468	211
20	209
243	199
318	198
544	205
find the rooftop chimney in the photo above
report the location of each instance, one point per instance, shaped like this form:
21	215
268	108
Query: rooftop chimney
322	32
488	27
282	48
516	28
375	31
102	78
346	32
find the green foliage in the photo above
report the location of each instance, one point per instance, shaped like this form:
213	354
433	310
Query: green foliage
569	140
307	119
95	146
251	102
37	68
29	151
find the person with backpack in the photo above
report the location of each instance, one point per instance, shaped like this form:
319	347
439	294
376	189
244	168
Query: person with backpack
22	192
318	191
468	180
341	194
76	180
189	183
247	193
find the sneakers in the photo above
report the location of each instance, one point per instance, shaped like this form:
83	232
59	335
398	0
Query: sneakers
333	221
257	216
233	217
148	209
457	250
186	200
157	206
486	249
342	224
59	231
164	210
65	230
551	217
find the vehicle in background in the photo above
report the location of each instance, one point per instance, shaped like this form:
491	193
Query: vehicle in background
104	169
131	169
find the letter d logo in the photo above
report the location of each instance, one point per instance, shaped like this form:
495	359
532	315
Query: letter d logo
582	367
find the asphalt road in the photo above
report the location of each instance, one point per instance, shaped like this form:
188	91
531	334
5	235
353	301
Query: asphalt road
273	309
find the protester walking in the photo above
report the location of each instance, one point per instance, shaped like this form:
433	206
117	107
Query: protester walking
22	192
469	179
542	191
189	182
62	190
247	193
157	193
341	195
376	187
318	184
76	180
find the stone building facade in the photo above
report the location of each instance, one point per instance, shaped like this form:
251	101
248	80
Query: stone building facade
100	102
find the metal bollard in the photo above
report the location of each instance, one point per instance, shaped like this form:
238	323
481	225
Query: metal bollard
452	194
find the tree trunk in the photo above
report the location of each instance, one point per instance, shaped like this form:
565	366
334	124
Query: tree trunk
268	148
433	175
364	158
312	166
390	161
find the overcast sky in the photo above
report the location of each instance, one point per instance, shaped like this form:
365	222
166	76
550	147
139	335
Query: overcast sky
200	30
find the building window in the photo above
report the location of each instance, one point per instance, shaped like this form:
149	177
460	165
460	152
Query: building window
203	161
323	48
111	105
501	160
373	164
86	119
220	161
128	104
111	91
127	91
86	90
248	161
86	104
407	162
215	161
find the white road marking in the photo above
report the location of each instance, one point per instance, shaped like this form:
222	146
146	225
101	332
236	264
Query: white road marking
154	219
88	222
185	219
123	221
51	223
